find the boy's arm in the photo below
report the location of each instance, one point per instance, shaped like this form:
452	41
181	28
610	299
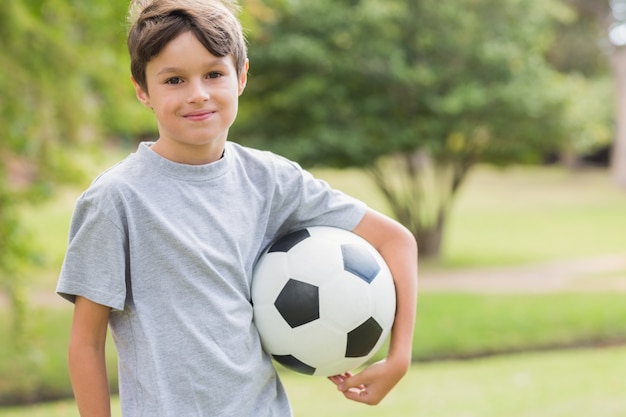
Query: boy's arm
87	358
399	249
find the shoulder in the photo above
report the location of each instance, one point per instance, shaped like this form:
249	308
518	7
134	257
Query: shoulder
108	192
258	155
111	180
262	161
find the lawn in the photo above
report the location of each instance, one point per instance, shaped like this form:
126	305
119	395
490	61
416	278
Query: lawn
555	384
522	215
578	383
449	325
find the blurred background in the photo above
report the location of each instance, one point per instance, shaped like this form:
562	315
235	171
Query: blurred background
495	130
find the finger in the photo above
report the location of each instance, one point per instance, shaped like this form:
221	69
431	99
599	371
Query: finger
358	394
351	381
337	379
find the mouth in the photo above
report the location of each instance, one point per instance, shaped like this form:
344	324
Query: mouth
199	115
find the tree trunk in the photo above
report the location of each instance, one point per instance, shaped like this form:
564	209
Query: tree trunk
420	191
431	238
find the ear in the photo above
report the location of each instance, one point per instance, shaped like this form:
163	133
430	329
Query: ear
141	94
243	77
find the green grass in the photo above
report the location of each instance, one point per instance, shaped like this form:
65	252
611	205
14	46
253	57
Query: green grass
448	325
524	215
467	325
556	384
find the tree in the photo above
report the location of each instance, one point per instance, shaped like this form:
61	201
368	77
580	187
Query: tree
30	123
590	109
64	85
618	64
610	19
415	92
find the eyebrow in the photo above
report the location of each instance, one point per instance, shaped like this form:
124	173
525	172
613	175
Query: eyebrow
170	70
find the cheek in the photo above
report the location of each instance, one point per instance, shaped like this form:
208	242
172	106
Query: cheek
164	105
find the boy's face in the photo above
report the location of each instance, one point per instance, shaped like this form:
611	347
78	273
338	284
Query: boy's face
194	95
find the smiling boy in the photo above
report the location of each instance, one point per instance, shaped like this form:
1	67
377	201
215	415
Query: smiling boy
163	244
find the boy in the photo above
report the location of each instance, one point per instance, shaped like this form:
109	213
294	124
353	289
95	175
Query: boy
163	244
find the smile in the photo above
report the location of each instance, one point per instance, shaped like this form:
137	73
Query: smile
199	115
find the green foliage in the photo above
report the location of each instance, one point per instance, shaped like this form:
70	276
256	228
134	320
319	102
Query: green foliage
343	82
37	371
575	49
65	78
581	50
14	249
64	85
589	113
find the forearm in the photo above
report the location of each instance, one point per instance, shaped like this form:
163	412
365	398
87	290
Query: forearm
87	363
399	250
401	256
88	374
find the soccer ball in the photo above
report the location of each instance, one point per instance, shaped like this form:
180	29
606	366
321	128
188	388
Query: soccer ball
324	300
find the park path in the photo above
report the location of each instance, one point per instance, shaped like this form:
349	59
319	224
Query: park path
600	273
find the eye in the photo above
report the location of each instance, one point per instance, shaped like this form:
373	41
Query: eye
214	74
173	81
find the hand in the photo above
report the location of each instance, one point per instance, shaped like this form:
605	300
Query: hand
372	384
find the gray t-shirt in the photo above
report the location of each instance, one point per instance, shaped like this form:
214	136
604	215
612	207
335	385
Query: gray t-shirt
171	248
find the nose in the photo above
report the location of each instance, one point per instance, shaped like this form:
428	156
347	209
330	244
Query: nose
198	92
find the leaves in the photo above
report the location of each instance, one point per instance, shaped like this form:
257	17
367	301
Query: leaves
63	84
363	79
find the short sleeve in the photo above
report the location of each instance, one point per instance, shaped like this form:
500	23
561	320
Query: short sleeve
313	202
95	262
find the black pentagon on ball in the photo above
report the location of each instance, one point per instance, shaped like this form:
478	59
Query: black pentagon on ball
288	241
294	364
358	260
362	340
298	303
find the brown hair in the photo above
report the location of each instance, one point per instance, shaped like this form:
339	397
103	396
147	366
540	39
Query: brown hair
156	23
